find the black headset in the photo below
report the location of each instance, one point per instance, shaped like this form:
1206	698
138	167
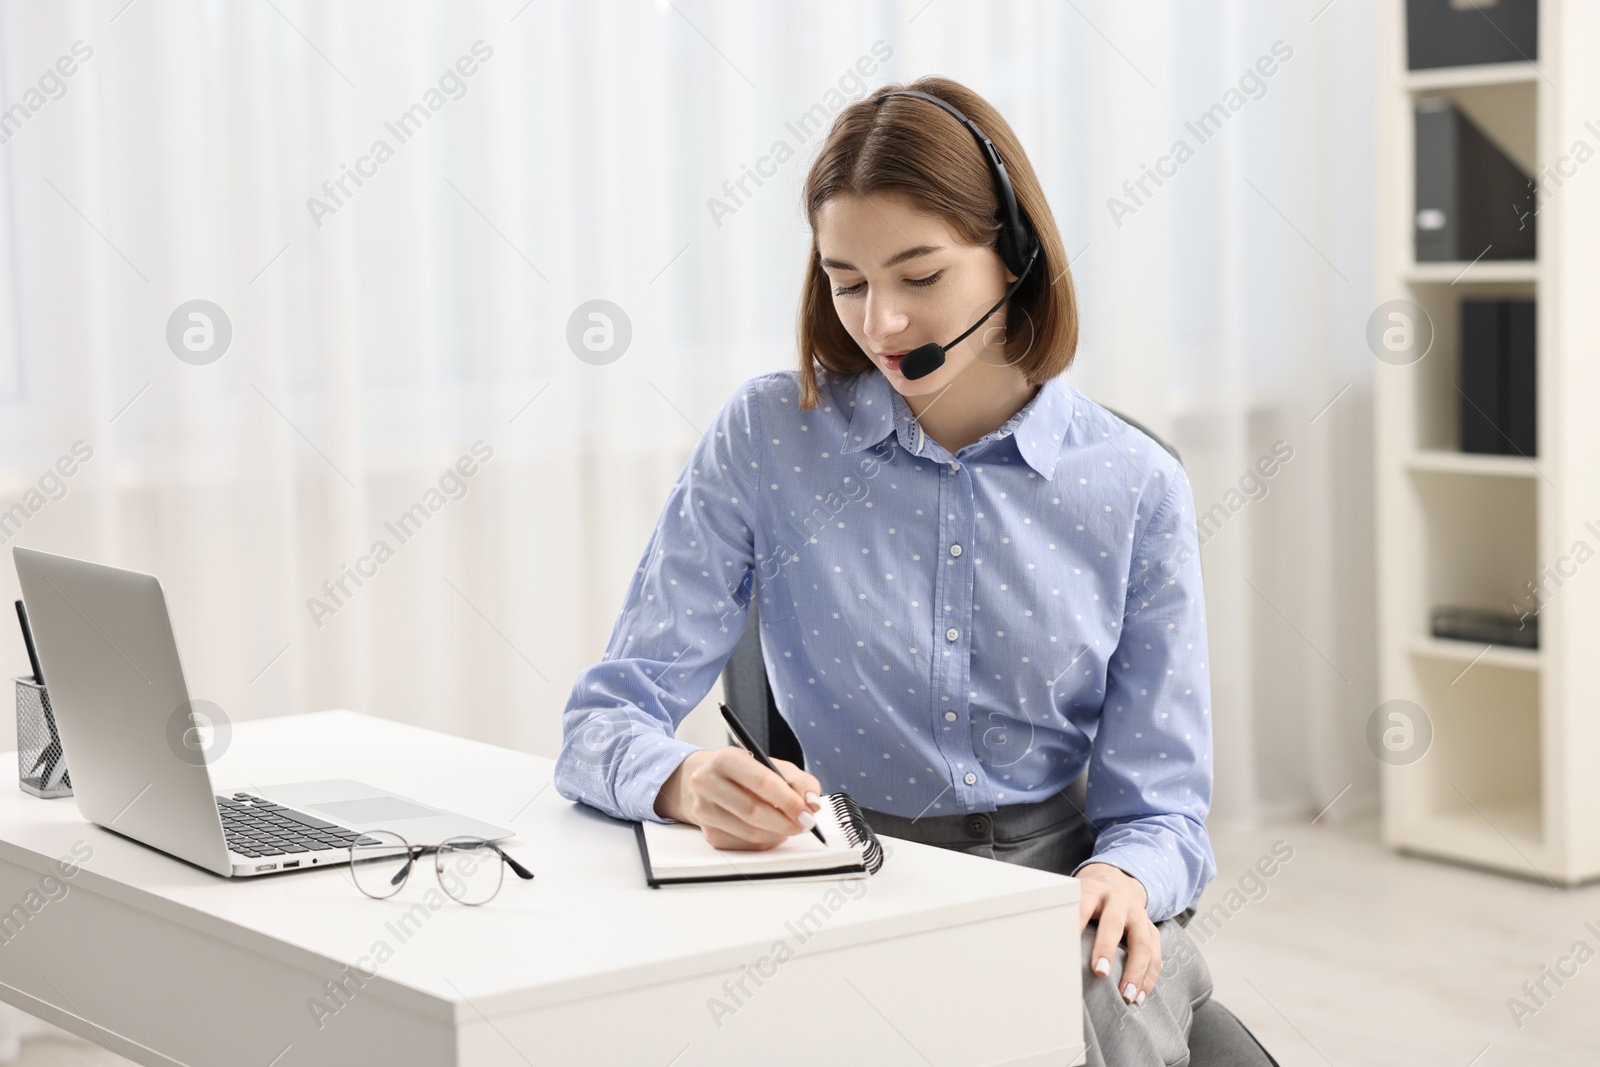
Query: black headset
1016	243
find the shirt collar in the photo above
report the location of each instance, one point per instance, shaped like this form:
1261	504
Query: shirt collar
1040	428
874	413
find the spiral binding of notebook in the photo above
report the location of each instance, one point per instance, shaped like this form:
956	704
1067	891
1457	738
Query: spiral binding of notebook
855	826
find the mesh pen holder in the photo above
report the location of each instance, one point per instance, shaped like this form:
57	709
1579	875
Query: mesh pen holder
41	761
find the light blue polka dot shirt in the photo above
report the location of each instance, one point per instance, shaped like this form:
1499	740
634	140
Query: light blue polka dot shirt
944	633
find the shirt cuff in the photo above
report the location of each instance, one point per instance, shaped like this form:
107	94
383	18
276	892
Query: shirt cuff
651	762
1138	863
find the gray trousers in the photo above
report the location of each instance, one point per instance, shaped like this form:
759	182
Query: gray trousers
1055	836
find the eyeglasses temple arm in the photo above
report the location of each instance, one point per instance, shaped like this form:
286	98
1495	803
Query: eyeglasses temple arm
521	871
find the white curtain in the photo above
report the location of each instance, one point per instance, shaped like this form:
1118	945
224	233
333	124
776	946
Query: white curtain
378	335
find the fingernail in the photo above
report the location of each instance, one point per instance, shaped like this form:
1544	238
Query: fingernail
807	819
812	798
1130	992
1102	966
1141	997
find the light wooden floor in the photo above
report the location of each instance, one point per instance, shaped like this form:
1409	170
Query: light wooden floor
1357	956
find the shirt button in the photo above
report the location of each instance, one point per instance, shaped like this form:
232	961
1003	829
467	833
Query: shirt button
949	716
955	466
951	634
955	550
970	778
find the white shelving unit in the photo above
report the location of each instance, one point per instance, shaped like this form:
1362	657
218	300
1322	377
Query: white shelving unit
1511	781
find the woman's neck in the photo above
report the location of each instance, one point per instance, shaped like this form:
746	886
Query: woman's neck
976	403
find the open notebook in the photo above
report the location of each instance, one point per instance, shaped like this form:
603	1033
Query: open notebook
679	854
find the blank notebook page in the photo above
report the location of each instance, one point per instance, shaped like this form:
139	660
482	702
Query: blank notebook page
680	850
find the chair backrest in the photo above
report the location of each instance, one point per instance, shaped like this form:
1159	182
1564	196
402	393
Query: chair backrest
747	693
744	677
1148	432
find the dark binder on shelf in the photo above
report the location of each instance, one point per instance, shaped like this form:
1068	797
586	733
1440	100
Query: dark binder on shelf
1490	627
679	854
1482	415
1498	378
1458	33
1517	322
1472	201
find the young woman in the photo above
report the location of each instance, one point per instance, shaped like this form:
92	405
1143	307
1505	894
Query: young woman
973	581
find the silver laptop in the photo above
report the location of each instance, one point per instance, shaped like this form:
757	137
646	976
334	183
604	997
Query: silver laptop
137	746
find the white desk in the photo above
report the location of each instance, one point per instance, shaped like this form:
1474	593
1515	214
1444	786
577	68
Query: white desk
940	958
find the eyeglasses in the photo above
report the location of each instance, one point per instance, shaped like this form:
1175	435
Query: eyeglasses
470	870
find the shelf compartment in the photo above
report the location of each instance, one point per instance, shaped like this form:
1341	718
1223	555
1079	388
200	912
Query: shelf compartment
1481	538
1485	739
1504	111
1474	797
1433	380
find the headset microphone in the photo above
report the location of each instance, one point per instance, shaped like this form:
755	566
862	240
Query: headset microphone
923	361
1016	243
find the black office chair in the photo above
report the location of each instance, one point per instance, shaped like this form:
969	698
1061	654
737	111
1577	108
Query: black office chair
1216	1038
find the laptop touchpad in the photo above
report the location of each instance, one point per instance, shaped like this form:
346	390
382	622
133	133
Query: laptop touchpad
369	810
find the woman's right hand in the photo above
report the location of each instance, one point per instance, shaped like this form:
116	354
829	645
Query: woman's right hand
738	803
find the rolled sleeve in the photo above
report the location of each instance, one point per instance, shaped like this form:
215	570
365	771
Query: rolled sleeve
683	613
1150	773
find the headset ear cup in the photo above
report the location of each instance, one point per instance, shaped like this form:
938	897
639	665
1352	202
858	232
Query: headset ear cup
1006	244
1014	249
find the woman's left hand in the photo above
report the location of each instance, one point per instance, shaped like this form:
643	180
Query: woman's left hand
1118	900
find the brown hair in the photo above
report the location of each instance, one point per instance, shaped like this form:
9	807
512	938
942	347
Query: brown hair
912	148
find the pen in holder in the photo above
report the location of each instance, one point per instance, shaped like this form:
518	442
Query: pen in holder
41	761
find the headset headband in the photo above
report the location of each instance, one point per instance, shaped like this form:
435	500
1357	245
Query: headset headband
1016	240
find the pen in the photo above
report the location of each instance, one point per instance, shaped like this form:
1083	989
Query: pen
27	639
754	749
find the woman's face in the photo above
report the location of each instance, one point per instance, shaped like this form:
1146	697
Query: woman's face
892	302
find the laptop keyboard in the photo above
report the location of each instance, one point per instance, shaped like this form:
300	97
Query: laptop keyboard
254	826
